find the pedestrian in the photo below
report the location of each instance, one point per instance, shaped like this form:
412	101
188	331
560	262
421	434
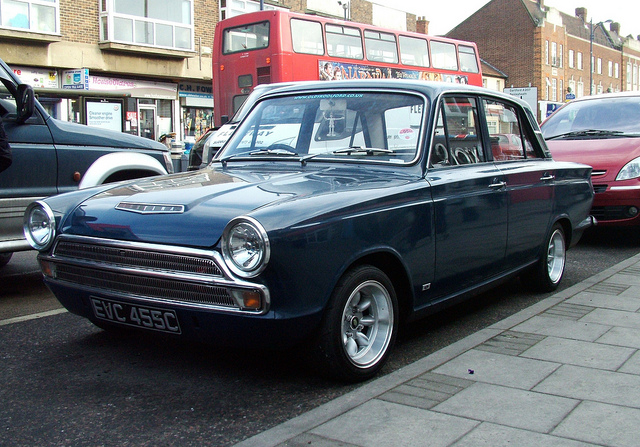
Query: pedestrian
5	149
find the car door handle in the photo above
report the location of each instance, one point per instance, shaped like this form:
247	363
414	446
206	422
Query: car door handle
547	177
497	185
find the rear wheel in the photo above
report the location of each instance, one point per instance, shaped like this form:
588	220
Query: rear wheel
359	328
548	271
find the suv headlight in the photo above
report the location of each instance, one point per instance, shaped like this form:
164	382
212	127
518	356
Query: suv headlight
245	247
630	170
39	225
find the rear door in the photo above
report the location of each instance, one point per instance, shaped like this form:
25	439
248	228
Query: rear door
529	176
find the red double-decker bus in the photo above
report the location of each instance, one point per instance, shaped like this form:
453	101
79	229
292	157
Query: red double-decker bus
278	46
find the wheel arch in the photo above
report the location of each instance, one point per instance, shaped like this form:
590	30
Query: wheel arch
117	166
391	264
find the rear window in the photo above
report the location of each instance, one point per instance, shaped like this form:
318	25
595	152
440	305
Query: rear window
245	38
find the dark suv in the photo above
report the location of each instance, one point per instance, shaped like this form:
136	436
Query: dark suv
52	156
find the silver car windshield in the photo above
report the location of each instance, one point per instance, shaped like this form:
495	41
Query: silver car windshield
362	126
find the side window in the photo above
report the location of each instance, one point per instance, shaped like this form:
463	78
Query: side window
457	140
506	134
307	36
344	41
381	47
443	55
414	51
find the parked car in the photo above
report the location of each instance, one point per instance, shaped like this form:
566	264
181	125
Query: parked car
51	156
322	221
209	144
603	131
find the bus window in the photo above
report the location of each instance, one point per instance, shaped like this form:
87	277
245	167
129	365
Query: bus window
443	55
245	37
307	37
468	60
381	47
414	51
343	41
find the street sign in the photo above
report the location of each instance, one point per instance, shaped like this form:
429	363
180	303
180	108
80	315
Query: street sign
528	94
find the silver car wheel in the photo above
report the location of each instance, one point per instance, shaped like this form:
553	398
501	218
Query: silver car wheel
367	324
556	255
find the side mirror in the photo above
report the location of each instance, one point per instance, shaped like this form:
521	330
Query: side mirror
25	102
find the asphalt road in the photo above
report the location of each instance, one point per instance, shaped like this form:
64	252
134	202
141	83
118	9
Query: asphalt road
65	382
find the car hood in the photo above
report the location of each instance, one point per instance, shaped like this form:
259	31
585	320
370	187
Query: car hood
73	134
606	154
192	209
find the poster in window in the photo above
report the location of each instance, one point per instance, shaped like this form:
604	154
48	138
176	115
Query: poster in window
105	114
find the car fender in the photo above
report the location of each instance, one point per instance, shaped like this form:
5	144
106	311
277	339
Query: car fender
114	162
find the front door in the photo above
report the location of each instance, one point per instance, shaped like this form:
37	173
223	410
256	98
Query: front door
148	120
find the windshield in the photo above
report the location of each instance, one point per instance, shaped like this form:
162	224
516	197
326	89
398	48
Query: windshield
604	117
380	127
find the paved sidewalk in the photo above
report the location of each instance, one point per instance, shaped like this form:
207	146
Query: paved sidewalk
564	372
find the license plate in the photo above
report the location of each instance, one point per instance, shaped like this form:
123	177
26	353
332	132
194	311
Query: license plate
138	316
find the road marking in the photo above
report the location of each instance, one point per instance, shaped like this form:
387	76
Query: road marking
31	317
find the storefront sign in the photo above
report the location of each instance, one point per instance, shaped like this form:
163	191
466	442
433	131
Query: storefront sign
136	88
190	90
37	78
76	79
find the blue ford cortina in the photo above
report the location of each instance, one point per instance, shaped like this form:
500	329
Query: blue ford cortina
333	215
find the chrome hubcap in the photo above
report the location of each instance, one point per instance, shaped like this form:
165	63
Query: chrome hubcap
556	256
367	324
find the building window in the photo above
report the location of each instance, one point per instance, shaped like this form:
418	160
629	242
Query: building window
232	8
610	67
599	66
580	90
579	61
560	90
635	77
40	16
554	89
554	54
155	23
570	58
560	63
616	70
547	84
546	52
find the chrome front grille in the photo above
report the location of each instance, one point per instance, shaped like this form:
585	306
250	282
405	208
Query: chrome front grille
150	272
149	287
137	258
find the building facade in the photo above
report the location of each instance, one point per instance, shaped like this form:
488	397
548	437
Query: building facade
138	66
556	54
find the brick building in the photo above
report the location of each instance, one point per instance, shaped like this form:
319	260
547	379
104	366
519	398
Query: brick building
150	60
540	47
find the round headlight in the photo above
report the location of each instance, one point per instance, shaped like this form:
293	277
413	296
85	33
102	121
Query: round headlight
39	225
245	247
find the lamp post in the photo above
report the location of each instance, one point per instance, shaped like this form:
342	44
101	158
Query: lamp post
591	36
345	6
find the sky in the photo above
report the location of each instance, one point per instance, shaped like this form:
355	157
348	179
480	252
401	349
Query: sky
443	15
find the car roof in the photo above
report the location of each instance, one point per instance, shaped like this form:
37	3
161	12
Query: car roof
429	88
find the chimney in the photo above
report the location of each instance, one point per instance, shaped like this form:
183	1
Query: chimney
615	27
582	13
422	25
541	5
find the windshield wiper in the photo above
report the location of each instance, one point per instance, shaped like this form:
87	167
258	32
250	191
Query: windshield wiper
279	152
363	150
587	133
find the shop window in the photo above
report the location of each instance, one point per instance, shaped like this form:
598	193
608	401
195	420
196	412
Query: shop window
40	16
156	23
196	121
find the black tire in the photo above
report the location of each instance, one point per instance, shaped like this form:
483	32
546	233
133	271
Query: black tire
359	327
5	258
547	273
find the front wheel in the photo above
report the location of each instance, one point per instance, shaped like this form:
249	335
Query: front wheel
546	274
360	325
